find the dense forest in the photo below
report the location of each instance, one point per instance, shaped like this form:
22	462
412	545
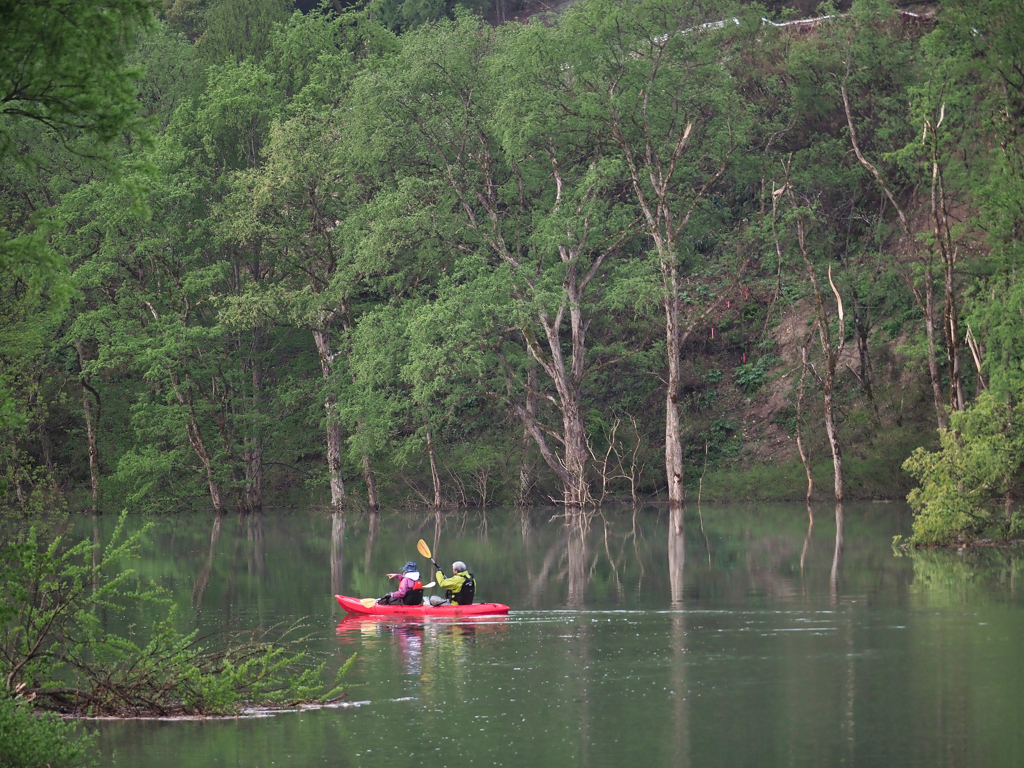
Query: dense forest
452	254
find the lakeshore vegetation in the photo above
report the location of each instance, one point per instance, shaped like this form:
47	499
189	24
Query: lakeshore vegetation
414	255
456	254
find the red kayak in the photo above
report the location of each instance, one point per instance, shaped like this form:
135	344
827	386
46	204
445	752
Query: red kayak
355	606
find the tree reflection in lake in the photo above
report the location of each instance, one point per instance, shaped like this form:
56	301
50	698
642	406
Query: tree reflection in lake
337	553
254	532
679	692
577	572
624	644
807	545
837	554
204	573
371	537
676	554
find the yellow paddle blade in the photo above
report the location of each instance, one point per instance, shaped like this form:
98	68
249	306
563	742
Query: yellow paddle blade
369	602
423	549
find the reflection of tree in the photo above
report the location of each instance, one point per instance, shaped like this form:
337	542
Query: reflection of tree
806	547
254	534
676	554
371	537
337	552
204	573
578	573
681	703
551	559
837	556
676	569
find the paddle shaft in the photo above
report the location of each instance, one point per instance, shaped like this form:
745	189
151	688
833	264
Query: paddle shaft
423	549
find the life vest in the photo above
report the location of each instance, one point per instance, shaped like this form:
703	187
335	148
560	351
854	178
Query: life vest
466	592
415	595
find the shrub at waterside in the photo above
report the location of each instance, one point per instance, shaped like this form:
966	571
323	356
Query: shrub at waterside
54	651
966	485
31	739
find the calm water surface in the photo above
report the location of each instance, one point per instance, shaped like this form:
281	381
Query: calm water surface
714	639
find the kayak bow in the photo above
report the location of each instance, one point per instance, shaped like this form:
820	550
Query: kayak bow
355	606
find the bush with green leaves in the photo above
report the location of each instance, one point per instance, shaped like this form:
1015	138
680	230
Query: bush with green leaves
750	376
965	484
54	649
29	739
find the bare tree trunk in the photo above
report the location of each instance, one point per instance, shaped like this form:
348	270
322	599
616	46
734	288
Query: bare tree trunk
831	356
804	456
833	435
673	434
933	365
526	466
91	425
927	306
666	203
195	439
434	476
334	473
337	482
371	483
253	455
862	330
952	331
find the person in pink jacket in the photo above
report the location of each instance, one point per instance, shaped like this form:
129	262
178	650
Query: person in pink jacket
410	588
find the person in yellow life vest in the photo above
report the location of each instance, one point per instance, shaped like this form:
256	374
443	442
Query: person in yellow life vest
459	589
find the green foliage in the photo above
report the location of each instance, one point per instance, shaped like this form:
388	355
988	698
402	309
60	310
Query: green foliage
750	376
979	461
30	739
63	67
450	231
54	649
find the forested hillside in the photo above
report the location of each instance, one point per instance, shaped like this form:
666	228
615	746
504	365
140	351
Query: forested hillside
406	253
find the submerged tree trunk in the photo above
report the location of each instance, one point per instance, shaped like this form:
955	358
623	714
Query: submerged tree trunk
831	356
434	476
195	439
334	473
673	435
371	483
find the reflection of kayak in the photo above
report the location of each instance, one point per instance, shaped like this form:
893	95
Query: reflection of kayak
354	605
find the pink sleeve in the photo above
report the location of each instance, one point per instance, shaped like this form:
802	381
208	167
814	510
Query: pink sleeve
403	587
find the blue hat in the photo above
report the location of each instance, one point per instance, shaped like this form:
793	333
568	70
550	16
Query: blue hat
410	567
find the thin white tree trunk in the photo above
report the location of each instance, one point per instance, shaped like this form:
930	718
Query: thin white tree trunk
334	473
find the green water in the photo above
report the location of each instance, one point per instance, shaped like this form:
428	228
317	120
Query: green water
715	640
